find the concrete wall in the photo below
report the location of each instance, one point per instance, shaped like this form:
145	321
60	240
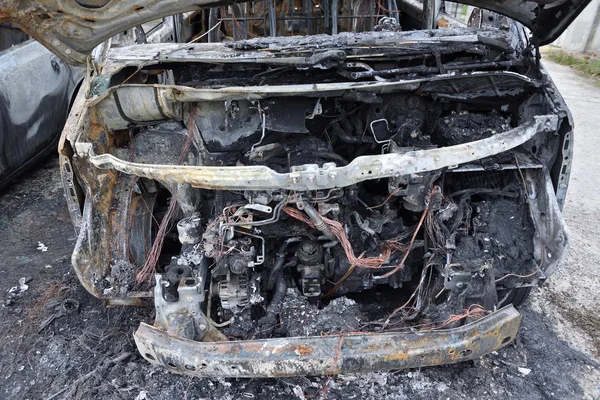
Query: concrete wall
583	35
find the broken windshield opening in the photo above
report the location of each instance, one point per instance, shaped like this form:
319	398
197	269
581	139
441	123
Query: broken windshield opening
253	19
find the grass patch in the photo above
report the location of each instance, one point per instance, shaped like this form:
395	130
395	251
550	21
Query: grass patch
587	65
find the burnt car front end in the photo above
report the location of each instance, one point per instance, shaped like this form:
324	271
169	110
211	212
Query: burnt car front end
320	204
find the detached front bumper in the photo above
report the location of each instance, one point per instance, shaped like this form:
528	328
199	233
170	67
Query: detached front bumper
325	355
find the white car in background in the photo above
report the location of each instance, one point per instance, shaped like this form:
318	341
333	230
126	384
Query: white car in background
36	90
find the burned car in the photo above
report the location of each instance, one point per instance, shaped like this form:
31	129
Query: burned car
315	187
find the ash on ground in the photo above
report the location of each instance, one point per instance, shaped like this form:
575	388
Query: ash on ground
299	318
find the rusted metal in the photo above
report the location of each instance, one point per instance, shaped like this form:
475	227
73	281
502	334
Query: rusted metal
332	354
311	177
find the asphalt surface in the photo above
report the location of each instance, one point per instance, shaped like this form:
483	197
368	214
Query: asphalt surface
56	341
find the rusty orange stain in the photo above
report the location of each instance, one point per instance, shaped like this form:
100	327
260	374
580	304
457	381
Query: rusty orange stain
303	350
443	23
252	346
399	355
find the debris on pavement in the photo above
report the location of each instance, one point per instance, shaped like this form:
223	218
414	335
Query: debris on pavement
67	306
17	291
524	371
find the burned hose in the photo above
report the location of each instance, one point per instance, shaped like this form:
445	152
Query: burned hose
279	262
317	220
278	296
275	271
351	131
269	321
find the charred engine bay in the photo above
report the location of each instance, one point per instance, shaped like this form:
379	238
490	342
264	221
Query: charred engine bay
433	249
342	258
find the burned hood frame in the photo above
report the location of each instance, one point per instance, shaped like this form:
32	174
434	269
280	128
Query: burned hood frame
72	29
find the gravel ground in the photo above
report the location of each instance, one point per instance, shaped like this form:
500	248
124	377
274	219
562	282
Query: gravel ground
56	341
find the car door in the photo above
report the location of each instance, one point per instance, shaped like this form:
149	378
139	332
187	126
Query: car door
36	88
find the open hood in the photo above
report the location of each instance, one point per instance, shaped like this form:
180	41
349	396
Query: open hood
72	28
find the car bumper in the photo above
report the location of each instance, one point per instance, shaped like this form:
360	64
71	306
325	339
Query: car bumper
332	354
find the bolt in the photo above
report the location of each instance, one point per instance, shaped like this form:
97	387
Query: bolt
68	51
332	176
56	42
202	327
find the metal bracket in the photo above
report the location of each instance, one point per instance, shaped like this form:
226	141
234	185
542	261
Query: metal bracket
183	317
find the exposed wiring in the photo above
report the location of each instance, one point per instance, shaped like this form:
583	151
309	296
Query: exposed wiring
522	177
386	200
410	245
338	230
519	276
343	278
474	311
167	223
412	296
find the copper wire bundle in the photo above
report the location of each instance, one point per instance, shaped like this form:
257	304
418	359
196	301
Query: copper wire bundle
410	246
388	247
147	272
167	223
338	230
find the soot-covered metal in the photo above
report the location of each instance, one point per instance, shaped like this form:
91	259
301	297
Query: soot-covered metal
324	204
